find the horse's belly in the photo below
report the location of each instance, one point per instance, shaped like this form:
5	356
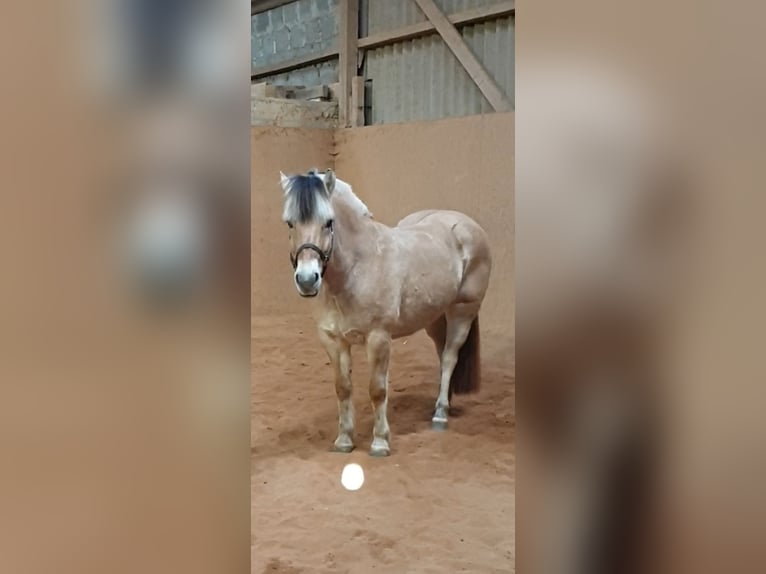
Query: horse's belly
353	336
407	325
420	308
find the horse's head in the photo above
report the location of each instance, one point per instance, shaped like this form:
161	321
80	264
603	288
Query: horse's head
308	213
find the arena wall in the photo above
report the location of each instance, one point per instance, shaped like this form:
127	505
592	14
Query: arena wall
465	164
290	150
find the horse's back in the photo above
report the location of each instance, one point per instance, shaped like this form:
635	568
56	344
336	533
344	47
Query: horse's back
415	218
468	233
431	216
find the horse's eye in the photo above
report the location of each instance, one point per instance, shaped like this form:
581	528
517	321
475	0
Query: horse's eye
289	224
328	225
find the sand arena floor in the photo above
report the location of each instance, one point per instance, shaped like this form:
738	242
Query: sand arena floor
442	502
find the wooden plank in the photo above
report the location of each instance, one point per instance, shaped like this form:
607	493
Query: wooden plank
398	35
455	42
334	91
499	10
258	6
263	90
357	101
310	93
267	90
347	65
294	64
293	113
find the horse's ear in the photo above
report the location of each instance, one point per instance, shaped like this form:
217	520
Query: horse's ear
329	181
284	181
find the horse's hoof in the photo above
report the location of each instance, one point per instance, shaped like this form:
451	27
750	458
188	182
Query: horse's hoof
380	452
344	448
439	424
379	447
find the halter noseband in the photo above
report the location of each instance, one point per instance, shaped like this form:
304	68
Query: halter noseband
323	256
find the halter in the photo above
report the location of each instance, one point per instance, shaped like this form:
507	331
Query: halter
323	256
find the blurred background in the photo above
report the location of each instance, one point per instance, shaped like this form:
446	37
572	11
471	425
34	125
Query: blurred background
124	322
638	277
124	347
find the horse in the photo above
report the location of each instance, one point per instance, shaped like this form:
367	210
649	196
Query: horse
372	284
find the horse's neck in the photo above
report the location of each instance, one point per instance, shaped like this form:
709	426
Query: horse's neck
345	195
354	232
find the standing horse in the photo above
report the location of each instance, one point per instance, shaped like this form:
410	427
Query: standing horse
376	283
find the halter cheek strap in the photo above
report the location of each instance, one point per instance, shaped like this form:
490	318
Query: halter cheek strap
324	256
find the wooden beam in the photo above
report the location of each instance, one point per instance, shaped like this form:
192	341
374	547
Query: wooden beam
293	64
357	102
258	6
455	42
493	12
347	65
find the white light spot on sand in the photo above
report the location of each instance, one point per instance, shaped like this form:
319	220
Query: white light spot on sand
352	477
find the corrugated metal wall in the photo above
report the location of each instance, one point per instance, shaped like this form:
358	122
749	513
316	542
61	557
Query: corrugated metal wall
421	79
413	80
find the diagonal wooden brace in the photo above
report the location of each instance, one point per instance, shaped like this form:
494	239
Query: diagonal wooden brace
455	42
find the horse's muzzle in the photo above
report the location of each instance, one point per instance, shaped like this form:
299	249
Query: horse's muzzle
307	283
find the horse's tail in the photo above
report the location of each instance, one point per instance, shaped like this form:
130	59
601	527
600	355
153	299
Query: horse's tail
466	377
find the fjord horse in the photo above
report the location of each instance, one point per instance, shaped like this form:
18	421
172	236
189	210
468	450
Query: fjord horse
374	283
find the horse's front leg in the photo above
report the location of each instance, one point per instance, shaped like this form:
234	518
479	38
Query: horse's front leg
340	357
378	353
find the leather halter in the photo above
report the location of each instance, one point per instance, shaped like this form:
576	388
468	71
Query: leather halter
324	256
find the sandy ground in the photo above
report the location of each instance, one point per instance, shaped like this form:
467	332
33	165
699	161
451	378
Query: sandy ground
442	502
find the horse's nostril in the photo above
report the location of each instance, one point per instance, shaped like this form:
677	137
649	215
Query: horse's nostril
307	279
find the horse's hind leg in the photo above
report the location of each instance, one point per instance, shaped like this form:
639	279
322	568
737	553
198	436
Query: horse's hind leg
458	326
340	357
438	333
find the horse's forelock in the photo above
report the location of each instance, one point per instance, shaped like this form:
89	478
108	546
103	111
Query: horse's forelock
314	180
307	199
